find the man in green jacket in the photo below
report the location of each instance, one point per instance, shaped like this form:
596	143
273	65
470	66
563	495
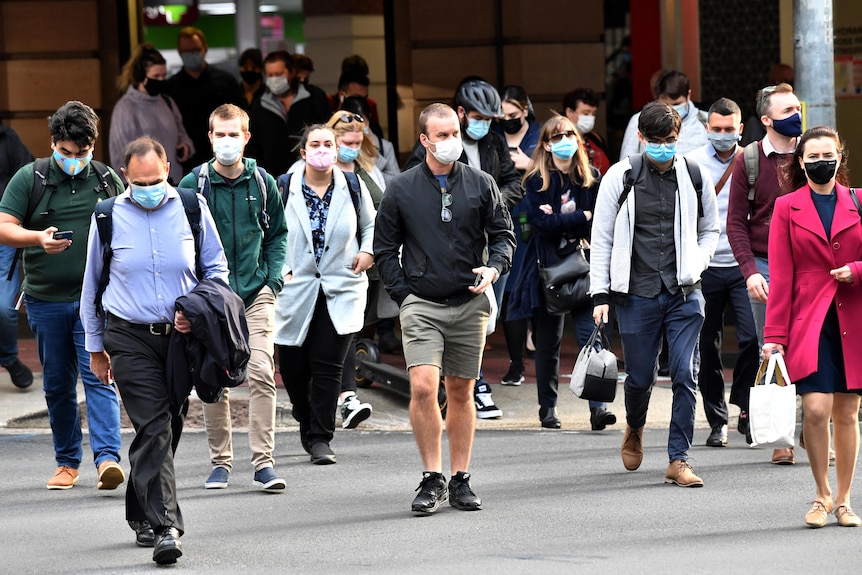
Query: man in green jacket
247	210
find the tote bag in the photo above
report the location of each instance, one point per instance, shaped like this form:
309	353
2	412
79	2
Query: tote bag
595	374
772	406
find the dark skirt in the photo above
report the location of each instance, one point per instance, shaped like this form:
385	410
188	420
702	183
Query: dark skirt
829	377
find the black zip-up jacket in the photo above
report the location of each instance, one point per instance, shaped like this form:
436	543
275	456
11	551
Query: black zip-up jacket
494	160
438	257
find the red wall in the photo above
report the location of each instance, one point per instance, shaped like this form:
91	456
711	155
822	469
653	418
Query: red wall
646	48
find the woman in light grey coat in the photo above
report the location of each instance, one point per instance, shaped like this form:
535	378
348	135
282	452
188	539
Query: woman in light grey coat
329	247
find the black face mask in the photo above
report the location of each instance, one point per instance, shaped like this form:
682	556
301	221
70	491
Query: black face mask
250	76
155	87
821	171
512	126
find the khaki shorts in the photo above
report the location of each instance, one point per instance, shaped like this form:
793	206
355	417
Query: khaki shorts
449	337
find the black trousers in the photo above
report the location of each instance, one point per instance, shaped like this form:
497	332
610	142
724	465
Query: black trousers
138	361
312	374
723	286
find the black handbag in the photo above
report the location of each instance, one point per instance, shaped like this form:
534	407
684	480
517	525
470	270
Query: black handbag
566	284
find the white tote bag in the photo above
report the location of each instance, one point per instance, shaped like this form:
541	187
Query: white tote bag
772	405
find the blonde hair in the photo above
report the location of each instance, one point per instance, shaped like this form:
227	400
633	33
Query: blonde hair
367	152
542	162
229	112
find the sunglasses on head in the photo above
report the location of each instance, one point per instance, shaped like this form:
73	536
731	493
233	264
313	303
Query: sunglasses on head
560	135
349	118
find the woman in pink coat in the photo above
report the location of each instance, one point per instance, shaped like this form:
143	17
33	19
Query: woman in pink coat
814	311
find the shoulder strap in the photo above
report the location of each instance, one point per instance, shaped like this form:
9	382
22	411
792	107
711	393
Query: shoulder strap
751	155
105	227
193	215
856	201
202	173
631	177
727	172
355	190
40	184
260	178
283	185
107	184
697	181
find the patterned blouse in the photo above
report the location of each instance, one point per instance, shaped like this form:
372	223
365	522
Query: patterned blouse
318	211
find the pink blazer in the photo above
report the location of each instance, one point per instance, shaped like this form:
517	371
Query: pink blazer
801	289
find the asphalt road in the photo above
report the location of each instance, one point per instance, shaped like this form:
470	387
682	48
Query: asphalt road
553	502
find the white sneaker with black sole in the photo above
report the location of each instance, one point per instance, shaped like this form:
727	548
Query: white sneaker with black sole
354	412
485	407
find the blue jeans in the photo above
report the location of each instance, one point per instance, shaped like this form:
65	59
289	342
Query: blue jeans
759	309
8	313
60	339
641	322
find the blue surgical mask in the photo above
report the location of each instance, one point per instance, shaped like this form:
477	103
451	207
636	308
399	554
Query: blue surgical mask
149	197
72	166
722	142
477	129
565	148
347	154
789	127
194	61
660	153
682	109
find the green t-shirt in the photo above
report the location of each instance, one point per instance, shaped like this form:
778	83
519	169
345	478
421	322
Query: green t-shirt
67	204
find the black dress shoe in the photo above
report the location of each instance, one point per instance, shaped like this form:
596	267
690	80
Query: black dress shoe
548	417
322	454
167	547
144	536
717	436
600	418
20	374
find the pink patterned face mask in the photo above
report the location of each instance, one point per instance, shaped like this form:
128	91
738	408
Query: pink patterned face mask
321	158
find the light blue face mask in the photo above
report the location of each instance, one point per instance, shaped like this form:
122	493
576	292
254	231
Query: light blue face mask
477	129
682	109
149	197
72	166
565	148
347	154
660	153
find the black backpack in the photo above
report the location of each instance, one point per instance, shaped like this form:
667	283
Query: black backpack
40	184
632	175
105	227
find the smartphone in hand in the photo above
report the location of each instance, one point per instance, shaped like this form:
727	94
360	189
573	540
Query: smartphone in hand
478	280
67	235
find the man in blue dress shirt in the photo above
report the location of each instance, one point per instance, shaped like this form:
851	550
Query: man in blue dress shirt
153	264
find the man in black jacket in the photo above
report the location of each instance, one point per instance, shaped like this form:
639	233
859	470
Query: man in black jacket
477	104
438	282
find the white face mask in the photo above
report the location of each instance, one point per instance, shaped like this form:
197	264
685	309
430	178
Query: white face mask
228	150
278	85
586	124
448	151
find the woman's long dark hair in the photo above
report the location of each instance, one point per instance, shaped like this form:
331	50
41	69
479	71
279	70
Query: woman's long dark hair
793	176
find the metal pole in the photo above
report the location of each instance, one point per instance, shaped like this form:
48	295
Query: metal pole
813	54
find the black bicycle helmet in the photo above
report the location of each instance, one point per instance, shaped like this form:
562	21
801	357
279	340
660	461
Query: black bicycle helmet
480	96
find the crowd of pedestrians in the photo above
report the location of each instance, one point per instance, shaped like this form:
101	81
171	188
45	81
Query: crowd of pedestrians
288	207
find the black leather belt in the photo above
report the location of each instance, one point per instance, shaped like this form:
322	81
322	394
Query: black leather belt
153	328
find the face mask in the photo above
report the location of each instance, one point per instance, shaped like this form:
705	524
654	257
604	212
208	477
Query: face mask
477	129
72	166
512	126
278	85
586	124
789	127
250	76
149	197
682	109
660	153
722	142
447	151
347	154
565	148
821	172
321	159
227	150
194	61
155	87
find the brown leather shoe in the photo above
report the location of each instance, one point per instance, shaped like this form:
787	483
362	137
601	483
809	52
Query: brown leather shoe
783	456
110	475
64	478
846	517
632	450
681	473
816	516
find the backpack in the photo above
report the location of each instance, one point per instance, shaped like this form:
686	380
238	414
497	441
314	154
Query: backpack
352	185
637	165
202	173
40	184
105	227
751	156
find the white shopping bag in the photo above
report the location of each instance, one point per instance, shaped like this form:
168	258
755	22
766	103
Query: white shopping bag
772	405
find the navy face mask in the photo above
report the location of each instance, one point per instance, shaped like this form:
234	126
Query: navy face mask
790	126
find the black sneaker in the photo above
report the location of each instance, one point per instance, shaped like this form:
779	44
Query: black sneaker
432	492
461	496
515	375
485	406
21	375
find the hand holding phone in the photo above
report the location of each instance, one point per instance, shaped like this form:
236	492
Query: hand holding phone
66	235
478	280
